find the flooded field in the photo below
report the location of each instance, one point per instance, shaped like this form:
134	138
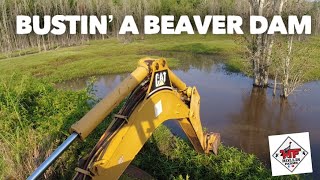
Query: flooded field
244	116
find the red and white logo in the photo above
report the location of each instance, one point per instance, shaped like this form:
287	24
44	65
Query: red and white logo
290	154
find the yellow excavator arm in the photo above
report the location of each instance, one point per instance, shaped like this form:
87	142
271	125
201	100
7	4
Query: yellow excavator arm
153	94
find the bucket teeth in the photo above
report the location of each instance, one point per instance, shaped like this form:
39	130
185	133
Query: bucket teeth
212	142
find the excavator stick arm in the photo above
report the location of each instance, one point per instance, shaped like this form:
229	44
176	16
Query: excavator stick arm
131	137
153	94
162	101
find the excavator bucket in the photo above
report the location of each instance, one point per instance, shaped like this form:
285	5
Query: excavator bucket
213	142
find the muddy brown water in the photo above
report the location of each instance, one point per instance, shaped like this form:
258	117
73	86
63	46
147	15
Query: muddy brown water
244	116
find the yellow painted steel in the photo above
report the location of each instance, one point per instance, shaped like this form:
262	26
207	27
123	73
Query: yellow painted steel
129	139
193	124
177	102
96	115
177	82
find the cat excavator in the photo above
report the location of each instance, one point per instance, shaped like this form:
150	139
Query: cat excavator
152	94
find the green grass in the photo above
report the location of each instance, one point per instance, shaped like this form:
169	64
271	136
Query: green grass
102	56
176	159
35	117
314	58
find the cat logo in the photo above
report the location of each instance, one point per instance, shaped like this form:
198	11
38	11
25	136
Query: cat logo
160	82
160	79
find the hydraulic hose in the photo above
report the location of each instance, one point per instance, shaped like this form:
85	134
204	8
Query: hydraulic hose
137	95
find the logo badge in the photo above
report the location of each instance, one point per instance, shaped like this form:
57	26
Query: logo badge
290	154
160	78
160	81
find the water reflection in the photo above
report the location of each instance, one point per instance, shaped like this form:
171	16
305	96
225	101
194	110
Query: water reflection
245	117
102	84
258	117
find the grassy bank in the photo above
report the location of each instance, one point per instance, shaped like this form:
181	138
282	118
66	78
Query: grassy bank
102	56
34	118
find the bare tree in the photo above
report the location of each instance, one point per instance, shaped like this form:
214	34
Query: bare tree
291	62
260	45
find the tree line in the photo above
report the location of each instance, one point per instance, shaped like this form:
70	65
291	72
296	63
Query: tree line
11	42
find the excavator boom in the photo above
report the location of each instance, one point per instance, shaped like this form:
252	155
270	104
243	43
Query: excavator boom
153	94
